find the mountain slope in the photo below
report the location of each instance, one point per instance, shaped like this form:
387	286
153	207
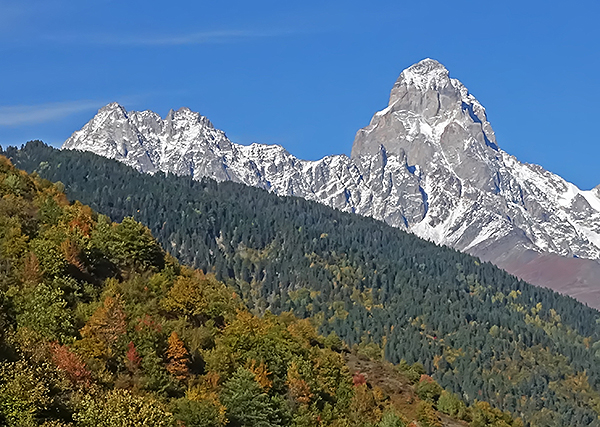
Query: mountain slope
428	163
477	330
99	327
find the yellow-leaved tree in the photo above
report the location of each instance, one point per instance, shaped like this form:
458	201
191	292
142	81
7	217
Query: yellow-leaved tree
178	358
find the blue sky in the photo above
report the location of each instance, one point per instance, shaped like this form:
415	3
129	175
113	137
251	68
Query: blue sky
306	75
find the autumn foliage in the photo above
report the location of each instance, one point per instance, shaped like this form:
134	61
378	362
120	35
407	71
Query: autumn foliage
106	327
261	374
133	359
358	379
71	364
298	388
177	357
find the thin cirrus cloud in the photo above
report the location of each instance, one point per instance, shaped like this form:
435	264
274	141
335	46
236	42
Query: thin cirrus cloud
195	38
19	115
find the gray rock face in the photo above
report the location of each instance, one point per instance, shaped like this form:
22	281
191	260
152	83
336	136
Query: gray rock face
428	163
481	199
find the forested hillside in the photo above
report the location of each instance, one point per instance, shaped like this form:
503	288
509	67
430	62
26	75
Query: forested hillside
100	327
477	330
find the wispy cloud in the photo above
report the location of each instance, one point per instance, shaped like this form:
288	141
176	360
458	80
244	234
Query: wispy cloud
18	115
194	38
17	14
11	15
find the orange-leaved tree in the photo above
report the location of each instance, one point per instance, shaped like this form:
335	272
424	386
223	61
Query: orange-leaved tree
298	388
71	364
103	331
178	358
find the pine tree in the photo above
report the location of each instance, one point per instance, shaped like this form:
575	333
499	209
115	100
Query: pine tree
248	405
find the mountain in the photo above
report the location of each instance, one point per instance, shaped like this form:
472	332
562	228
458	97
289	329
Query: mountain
428	163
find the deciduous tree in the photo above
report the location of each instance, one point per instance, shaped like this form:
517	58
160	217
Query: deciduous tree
178	357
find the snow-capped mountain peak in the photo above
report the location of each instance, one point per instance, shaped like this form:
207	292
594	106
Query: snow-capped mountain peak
113	106
426	74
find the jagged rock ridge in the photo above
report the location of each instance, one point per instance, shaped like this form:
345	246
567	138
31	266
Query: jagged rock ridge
429	163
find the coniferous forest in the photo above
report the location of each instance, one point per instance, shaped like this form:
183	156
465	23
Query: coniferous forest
441	316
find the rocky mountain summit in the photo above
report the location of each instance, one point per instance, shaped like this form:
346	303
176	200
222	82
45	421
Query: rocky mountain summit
428	163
